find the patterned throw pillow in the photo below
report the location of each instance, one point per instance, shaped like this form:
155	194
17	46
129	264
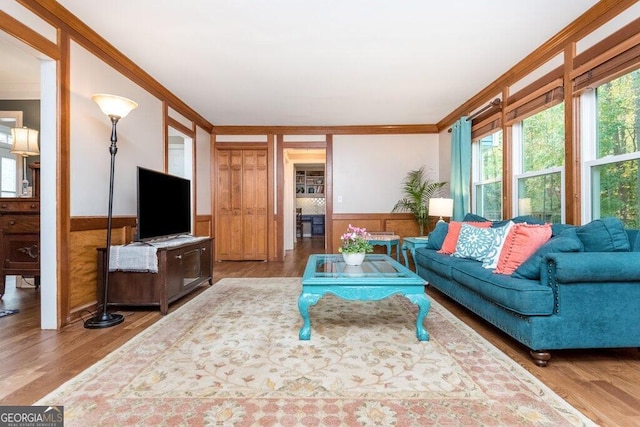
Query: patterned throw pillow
451	240
473	242
478	243
493	255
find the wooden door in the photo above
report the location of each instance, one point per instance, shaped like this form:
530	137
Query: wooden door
241	214
254	204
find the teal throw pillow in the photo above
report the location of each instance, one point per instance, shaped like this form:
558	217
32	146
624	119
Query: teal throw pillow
530	269
471	217
436	237
604	235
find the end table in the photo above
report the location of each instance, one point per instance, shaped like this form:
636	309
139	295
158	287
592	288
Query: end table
413	243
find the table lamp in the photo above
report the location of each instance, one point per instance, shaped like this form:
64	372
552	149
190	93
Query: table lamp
440	207
25	143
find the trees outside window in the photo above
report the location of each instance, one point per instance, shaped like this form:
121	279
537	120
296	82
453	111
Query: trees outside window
614	173
487	176
540	165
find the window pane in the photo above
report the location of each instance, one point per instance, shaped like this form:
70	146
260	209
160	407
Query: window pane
615	192
491	157
543	140
540	197
8	175
489	201
618	115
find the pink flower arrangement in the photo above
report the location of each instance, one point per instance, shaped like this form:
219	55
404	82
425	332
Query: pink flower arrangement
355	240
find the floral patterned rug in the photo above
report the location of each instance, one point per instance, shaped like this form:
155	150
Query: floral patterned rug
231	356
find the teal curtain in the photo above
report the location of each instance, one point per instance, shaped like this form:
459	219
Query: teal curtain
460	167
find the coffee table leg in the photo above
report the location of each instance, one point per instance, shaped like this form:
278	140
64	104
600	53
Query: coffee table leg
304	302
423	304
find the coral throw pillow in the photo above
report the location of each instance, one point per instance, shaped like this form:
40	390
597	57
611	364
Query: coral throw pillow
450	242
521	242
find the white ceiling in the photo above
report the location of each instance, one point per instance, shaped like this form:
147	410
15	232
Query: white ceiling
326	62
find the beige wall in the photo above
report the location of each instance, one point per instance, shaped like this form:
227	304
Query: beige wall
140	138
368	170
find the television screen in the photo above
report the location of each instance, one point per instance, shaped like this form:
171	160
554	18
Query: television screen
164	205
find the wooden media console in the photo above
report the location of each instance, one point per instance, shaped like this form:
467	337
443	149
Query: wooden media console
181	268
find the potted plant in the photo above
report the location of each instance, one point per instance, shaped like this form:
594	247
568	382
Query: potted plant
417	190
355	244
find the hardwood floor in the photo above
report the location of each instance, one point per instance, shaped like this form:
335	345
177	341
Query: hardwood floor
602	384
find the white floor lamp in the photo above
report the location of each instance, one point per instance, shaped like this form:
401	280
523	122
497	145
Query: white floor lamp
115	107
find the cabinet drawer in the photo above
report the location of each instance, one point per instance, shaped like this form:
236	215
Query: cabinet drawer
21	252
20	224
19	206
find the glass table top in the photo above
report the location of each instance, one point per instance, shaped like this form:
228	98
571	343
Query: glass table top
375	266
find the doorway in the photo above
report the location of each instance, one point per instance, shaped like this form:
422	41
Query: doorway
30	78
304	191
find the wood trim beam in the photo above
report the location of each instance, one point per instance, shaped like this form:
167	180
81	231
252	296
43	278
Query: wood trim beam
58	16
171	122
572	182
325	130
63	179
597	15
20	31
86	223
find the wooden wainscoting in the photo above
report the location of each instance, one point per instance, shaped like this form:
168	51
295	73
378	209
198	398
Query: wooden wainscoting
204	225
87	235
402	224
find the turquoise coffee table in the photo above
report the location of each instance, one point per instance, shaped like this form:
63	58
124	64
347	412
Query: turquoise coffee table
377	278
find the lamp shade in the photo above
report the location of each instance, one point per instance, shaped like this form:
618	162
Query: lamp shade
439	206
25	141
113	105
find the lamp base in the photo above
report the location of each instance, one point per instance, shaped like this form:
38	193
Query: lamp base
103	320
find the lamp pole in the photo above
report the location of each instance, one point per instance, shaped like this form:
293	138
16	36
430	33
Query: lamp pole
104	319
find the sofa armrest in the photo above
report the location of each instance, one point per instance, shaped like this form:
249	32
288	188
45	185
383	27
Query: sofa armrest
581	267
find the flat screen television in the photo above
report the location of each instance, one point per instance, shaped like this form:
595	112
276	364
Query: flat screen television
164	205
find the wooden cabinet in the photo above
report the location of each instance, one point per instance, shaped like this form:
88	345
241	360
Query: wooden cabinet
19	238
180	270
309	182
241	204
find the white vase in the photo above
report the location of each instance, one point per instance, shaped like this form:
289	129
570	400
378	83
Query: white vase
353	258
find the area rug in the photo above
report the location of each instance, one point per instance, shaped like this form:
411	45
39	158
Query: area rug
5	312
232	356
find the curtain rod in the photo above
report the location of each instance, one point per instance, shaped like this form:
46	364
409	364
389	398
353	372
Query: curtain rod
495	103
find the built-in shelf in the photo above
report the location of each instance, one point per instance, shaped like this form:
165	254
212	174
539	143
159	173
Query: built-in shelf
309	182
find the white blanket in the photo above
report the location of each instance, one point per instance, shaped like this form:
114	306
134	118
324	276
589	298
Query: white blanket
133	258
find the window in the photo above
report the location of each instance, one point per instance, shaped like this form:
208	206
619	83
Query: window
539	150
487	176
8	164
614	157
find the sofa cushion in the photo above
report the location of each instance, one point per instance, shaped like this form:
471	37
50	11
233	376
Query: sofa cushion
521	242
471	217
436	237
634	239
437	262
523	219
527	297
604	235
567	241
449	244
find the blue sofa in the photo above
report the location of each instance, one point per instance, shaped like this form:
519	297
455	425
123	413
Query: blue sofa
583	299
